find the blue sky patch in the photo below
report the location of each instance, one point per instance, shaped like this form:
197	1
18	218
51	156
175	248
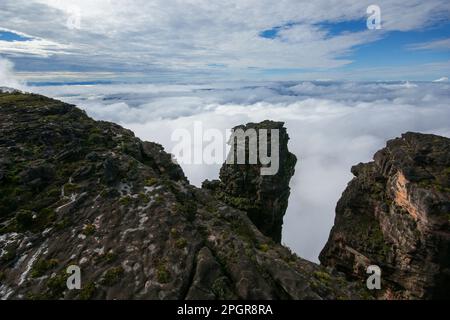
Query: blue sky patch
332	28
273	32
11	36
396	48
337	28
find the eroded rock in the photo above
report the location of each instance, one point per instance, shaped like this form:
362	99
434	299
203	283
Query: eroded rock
263	197
395	214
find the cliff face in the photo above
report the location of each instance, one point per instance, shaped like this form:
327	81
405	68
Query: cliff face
263	197
395	214
74	191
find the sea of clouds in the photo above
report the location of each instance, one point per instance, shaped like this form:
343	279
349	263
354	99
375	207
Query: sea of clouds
332	126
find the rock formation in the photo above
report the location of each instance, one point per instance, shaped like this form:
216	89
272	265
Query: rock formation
395	214
74	191
263	197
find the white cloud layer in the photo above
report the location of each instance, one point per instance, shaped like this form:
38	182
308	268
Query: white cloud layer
332	125
7	75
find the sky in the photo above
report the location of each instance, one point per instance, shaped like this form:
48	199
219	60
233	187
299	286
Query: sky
156	66
195	40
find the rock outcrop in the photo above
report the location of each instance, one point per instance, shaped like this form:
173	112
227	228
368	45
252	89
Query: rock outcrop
395	214
74	191
263	197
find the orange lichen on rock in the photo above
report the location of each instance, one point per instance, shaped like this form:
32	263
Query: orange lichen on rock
401	194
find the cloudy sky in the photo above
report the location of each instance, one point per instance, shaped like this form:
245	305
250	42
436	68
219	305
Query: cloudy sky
157	66
168	40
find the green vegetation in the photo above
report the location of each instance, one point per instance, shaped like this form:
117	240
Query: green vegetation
57	285
244	204
188	209
45	218
174	232
41	267
323	277
181	243
376	240
95	139
151	182
143	197
54	288
264	247
112	276
125	201
62	224
110	257
221	289
89	229
162	274
131	148
447	171
24	220
434	184
9	255
87	292
159	200
70	188
243	230
27	220
54	193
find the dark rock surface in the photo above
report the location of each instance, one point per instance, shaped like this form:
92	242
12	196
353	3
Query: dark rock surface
74	191
395	214
263	197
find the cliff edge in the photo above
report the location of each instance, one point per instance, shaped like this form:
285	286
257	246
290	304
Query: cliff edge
395	214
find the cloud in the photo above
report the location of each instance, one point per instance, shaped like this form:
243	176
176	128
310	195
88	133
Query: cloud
442	79
332	126
8	77
442	44
192	36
